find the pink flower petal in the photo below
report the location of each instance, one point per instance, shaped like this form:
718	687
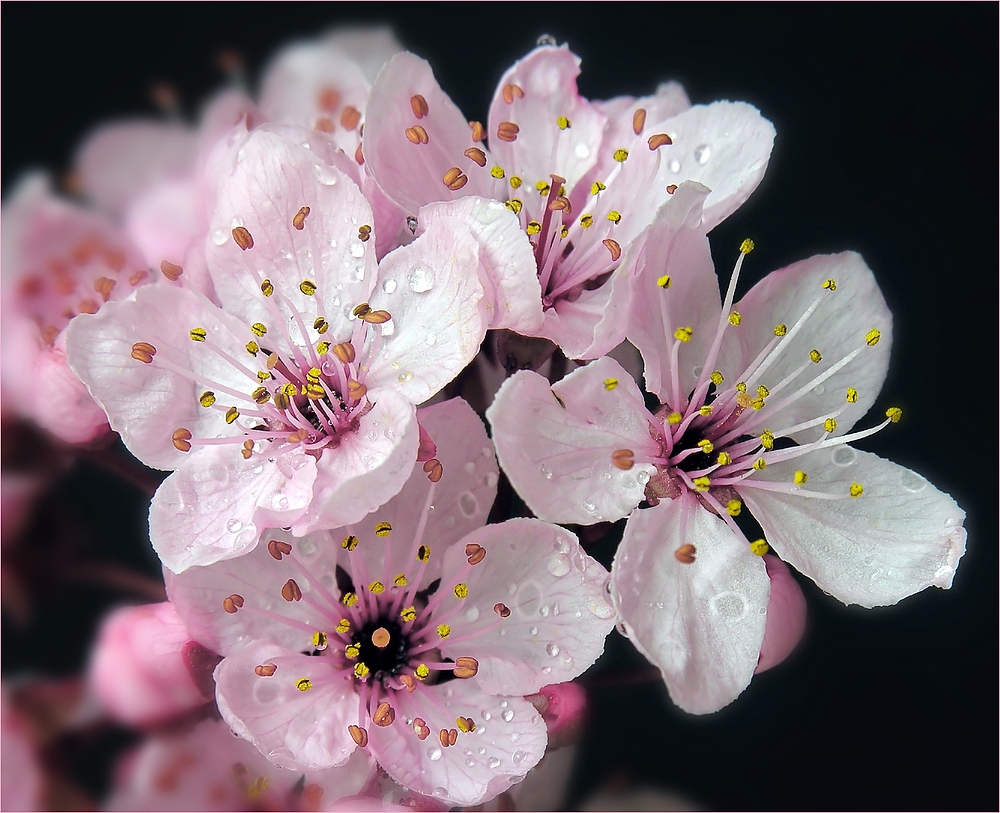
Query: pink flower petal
669	100
557	451
543	576
62	404
700	622
786	615
497	759
900	536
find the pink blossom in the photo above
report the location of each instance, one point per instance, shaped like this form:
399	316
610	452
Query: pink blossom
758	400
291	402
786	615
147	669
22	778
415	633
582	179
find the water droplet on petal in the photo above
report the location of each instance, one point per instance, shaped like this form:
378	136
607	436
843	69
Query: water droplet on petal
558	565
545	472
403	377
486	716
599	607
420	279
493	762
358	250
581	151
220	236
468	503
702	153
675	166
472	614
545	39
234	526
434	754
326	175
552	649
843	456
819	389
508	715
731	606
389	286
912	482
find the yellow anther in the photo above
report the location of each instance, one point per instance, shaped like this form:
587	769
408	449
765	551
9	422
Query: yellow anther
830	285
303	684
724	458
830	425
261	395
198	334
596	187
350	542
815	356
497	172
780	330
400	580
349	599
465	724
702	484
586	221
683	334
674	418
767	439
361	670
872	337
319	640
352	651
207	398
706	446
423	553
422	672
314	392
894	414
759	464
266	287
257	787
563	123
515	182
543	187
263	375
717	378
757	403
343	626
308	287
376	587
534	227
322	348
746	246
383	529
610	383
564	232
665	281
258	328
461	590
253	348
705	411
408	613
760	547
443	630
742	400
615	216
857	489
232	414
763	391
620	155
514	205
289	390
741	386
852	395
314	374
800	478
734	507
320	325
735	318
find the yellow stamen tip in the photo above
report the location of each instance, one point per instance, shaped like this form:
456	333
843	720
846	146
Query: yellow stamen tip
702	484
683	334
760	547
674	418
852	395
735	319
857	489
610	383
894	414
800	478
746	246
443	630
665	281
872	337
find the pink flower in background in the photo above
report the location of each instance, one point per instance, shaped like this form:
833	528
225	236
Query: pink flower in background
291	402
59	261
415	633
757	402
146	669
584	179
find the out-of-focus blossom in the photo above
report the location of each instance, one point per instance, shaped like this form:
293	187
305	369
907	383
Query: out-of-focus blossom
290	404
583	178
59	261
21	779
415	633
146	668
757	402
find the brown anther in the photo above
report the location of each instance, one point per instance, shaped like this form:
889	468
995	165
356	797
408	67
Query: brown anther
232	603
671	189
614	248
466	724
359	735
328	99
88	306
350	117
361	310
561	204
143	351
417	134
104	286
478	131
290	591
181	439
638	120
410	685
384	715
364	228
137	277
278	548
265	670
247	450
475	553
685	554
433	469
452	736
420	726
299	221
411	135
466	667
359	156
324	125
623	459
115	259
477	155
443	738
170	271
271	361
418	104
502	610
381	638
377	317
507	131
659	140
345	352
511	92
454	179
356	389
243	237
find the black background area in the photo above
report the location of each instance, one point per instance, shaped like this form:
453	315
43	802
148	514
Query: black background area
887	122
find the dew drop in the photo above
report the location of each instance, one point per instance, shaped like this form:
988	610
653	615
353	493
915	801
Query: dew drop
589	507
819	389
234	526
388	328
545	39
552	649
545	472
546	670
731	606
511	589
642	477
420	279
675	166
326	175
219	236
493	762
599	607
470	762
486	716
843	456
702	153
389	286
431	338
482	752
581	151
912	482
411	224
508	715
558	565
358	250
434	754
468	503
472	614
403	377
544	611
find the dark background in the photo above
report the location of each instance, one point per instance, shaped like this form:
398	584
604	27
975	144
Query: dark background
887	143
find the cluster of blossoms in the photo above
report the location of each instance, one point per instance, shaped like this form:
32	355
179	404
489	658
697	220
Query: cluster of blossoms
277	310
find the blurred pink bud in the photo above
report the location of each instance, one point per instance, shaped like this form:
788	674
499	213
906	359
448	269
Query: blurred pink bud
146	669
563	706
786	615
62	403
